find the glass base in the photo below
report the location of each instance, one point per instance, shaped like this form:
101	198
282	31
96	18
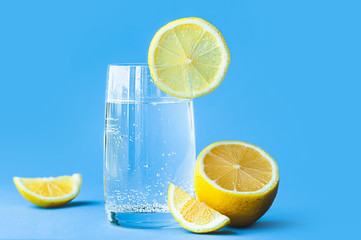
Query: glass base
141	220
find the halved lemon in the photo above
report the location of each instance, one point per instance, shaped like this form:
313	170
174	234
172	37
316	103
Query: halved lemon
188	58
238	179
192	214
51	191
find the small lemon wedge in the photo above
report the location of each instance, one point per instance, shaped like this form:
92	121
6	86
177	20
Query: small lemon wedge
192	214
49	192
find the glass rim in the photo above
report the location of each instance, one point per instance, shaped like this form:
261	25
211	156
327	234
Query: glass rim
129	64
148	98
137	65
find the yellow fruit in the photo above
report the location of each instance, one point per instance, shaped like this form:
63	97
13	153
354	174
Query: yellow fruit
51	191
193	215
188	58
238	179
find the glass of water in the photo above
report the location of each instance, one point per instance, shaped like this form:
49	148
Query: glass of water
149	142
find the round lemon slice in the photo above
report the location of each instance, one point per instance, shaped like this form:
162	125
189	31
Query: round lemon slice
238	179
192	214
188	58
49	192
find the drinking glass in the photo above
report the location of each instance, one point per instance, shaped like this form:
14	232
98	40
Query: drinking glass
149	143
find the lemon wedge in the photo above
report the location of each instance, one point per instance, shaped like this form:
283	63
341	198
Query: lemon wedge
238	179
192	214
188	58
49	192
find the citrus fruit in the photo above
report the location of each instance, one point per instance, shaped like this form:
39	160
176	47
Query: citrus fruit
50	191
238	179
188	58
192	214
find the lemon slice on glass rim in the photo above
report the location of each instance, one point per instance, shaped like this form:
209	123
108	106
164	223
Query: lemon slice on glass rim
188	58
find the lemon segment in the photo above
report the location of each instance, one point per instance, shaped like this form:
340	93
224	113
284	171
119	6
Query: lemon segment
192	214
49	192
238	179
188	58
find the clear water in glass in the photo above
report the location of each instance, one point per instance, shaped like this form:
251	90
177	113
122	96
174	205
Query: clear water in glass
149	142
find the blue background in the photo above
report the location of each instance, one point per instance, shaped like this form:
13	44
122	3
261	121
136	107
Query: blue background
292	88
